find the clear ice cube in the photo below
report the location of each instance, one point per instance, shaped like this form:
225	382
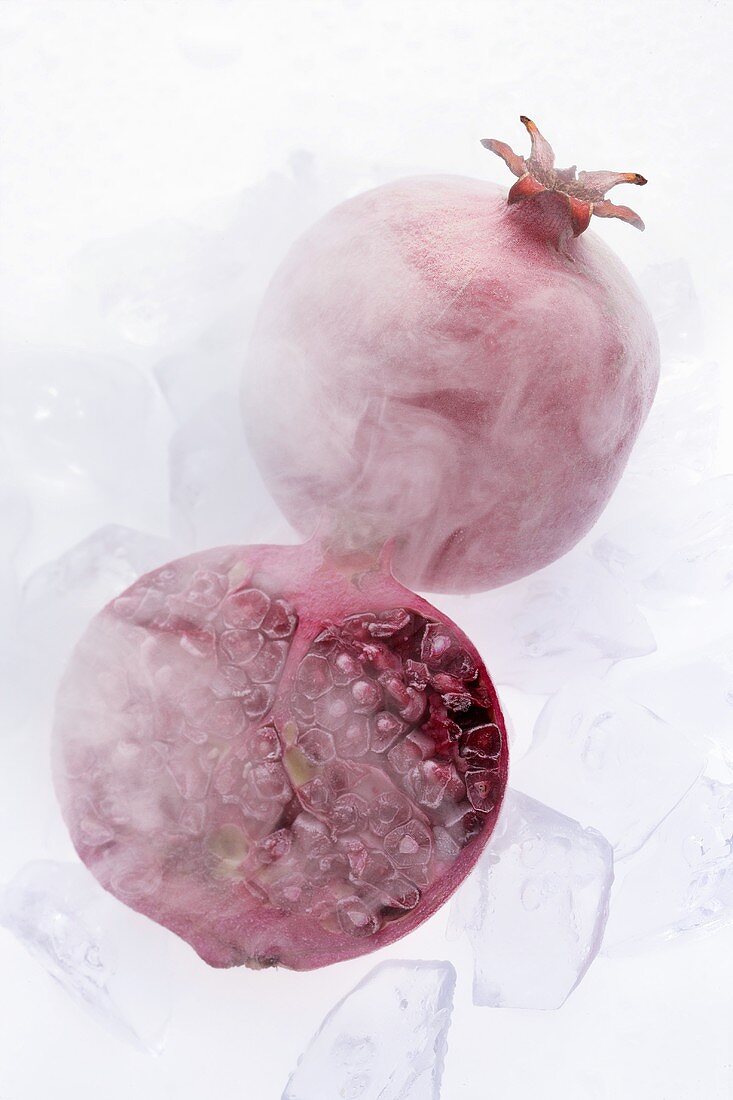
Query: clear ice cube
607	762
695	691
14	526
681	881
85	436
670	294
676	447
568	620
679	437
678	547
535	907
15	519
217	495
162	284
61	596
386	1040
109	959
189	378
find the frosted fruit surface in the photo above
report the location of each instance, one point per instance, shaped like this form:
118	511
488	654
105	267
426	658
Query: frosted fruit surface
434	365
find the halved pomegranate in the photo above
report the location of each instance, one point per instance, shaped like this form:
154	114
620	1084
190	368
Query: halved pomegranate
285	757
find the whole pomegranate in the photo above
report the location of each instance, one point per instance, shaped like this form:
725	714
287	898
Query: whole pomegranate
456	369
280	754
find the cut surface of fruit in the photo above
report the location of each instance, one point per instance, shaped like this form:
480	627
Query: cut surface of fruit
285	758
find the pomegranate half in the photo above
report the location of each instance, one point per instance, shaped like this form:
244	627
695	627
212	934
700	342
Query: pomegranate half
455	368
284	757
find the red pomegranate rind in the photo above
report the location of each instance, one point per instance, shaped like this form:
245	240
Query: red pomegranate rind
283	760
478	378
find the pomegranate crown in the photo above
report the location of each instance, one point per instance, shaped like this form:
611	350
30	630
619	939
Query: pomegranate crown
584	192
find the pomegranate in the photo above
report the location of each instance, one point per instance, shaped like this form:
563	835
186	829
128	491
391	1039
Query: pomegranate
282	755
457	369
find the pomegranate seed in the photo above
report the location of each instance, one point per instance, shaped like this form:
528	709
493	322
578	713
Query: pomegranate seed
246	609
314	676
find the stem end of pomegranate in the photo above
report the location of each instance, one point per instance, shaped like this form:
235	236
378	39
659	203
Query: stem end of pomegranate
585	192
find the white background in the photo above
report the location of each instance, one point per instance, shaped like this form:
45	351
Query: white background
118	114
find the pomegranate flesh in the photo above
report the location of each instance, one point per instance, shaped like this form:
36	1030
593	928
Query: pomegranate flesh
458	369
284	757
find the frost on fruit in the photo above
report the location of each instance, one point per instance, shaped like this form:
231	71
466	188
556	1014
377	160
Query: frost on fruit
386	1040
535	908
464	374
282	758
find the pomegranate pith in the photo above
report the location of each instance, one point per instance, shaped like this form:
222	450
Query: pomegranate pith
285	758
454	367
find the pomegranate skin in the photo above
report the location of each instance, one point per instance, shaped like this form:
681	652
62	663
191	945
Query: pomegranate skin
433	365
283	758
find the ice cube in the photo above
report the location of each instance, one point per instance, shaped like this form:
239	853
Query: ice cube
190	378
607	762
216	491
676	446
386	1040
680	435
568	620
675	548
535	907
695	691
61	596
670	294
682	879
163	284
173	282
15	518
86	437
14	527
110	959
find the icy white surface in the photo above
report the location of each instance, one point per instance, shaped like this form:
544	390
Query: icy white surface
15	516
83	435
676	549
682	879
670	293
107	958
675	447
158	287
695	691
386	1040
15	509
157	161
569	619
608	763
59	598
217	497
535	907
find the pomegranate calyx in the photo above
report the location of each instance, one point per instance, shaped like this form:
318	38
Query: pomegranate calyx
584	192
